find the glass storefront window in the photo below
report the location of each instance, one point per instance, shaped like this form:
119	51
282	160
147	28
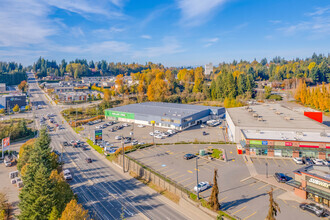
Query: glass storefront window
286	153
261	152
309	153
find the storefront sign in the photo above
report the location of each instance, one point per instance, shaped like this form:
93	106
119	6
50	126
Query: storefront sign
98	135
319	182
279	143
264	142
288	143
309	146
255	142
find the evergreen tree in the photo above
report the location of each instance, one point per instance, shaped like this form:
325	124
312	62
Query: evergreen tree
214	201
54	214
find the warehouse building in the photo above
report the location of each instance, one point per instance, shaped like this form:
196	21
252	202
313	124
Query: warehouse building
9	101
166	115
275	131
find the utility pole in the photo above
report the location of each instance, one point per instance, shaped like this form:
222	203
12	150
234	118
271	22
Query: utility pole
266	170
197	177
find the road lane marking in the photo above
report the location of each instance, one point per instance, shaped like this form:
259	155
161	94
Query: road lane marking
196	169
189	171
223	198
263	186
249	216
238	210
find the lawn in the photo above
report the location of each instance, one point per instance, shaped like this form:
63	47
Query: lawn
216	153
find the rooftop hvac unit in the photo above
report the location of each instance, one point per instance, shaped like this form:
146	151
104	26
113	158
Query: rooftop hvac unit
323	134
255	115
299	133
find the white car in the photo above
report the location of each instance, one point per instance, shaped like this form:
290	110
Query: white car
135	142
201	186
67	174
165	134
318	162
297	160
159	136
157	132
151	134
141	126
125	125
118	137
325	162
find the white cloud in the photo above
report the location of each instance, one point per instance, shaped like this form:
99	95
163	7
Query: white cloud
196	12
148	37
210	41
169	46
275	21
319	11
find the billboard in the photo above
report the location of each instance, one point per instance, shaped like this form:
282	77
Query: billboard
5	144
116	114
98	135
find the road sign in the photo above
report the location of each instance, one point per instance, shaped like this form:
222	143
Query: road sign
5	143
98	135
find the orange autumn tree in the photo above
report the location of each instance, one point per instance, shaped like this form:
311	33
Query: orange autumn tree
74	211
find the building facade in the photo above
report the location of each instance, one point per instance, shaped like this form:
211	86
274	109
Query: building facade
313	183
9	101
208	69
166	115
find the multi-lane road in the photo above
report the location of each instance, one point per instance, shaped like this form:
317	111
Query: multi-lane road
101	188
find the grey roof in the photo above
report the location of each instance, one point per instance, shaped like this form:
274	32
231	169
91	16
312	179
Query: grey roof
273	116
171	110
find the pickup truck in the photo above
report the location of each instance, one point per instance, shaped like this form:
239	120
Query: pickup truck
67	174
7	163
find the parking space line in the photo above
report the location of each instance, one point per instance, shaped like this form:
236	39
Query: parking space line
263	186
257	181
181	181
284	201
167	171
249	216
238	210
293	162
258	160
275	161
230	204
189	171
189	184
178	176
169	175
223	198
284	162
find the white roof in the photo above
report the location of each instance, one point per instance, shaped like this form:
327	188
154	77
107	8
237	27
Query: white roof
287	135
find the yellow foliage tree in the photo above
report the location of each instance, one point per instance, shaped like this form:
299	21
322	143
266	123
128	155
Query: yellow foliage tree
16	108
74	211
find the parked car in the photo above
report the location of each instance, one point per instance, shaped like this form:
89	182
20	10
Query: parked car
151	134
307	161
201	186
204	133
326	162
297	160
118	137
159	136
127	141
313	208
65	144
125	125
89	160
141	126
135	142
280	177
318	162
141	143
188	156
112	130
157	132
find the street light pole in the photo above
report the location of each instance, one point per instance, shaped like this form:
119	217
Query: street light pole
122	147
197	177
266	170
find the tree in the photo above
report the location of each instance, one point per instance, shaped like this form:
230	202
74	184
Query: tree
214	201
107	95
54	214
2	111
268	91
23	86
74	211
27	108
4	206
98	96
273	207
16	108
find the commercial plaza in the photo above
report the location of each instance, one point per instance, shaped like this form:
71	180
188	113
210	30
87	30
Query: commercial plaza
275	131
166	115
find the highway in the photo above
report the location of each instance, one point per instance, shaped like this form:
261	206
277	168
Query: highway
105	192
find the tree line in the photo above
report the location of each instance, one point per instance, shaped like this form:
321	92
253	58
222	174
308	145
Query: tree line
11	73
45	195
317	97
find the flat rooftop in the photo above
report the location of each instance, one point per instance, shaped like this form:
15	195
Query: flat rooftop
318	171
287	135
171	110
271	116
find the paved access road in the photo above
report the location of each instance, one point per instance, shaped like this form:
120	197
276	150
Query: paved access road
101	188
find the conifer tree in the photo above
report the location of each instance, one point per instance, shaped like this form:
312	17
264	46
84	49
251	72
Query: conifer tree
214	201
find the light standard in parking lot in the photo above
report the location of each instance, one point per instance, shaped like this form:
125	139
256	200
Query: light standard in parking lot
266	170
153	132
197	177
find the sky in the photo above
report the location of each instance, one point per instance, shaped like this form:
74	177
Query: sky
171	32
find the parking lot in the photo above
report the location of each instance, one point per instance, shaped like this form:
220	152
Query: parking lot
141	134
243	197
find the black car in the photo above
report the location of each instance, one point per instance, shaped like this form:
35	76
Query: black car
89	160
280	177
313	208
188	156
65	144
205	133
307	161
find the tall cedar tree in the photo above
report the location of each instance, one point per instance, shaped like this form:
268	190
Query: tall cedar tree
273	207
214	202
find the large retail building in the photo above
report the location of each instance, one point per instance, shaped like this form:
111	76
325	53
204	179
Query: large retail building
166	115
276	131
